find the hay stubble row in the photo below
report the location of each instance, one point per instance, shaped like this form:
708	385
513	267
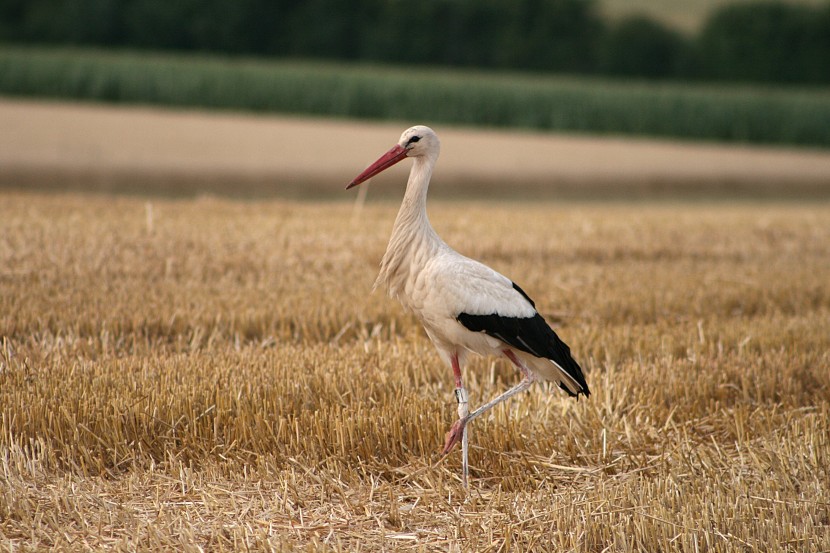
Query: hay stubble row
209	373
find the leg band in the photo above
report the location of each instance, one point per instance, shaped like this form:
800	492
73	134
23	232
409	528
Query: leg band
461	397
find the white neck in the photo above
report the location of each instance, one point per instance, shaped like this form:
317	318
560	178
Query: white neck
413	239
412	216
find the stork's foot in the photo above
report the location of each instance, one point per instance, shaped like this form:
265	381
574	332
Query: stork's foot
454	435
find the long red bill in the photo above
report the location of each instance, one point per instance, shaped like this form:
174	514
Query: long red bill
387	160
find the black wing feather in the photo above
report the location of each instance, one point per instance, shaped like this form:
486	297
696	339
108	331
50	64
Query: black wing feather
530	334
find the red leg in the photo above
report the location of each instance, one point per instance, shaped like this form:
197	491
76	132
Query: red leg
458	432
456	370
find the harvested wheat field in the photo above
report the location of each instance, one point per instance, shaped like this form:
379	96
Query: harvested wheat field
208	374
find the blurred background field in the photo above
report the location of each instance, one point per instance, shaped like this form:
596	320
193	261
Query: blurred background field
798	116
745	72
151	151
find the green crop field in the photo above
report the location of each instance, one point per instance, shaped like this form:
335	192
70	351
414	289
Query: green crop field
206	374
717	113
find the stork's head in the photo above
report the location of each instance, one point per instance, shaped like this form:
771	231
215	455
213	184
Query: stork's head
417	141
420	141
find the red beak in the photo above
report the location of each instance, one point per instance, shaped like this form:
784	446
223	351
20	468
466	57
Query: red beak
387	160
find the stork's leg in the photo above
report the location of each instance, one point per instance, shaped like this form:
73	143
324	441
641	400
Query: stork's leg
463	411
458	430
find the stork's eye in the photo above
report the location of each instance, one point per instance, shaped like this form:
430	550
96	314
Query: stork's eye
413	139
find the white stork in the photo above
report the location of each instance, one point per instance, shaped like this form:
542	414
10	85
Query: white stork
464	305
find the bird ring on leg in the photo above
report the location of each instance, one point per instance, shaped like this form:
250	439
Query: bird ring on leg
462	398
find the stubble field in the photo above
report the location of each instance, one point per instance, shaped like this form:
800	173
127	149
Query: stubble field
208	374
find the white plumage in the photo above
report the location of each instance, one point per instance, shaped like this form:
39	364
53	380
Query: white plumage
464	305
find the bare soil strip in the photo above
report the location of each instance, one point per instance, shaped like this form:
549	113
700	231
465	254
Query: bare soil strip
149	150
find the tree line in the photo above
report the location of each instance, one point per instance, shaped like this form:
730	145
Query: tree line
761	42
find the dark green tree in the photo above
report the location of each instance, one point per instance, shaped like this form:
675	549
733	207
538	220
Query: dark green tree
559	35
640	47
773	42
98	22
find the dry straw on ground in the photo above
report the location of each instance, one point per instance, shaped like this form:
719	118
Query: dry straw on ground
207	374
